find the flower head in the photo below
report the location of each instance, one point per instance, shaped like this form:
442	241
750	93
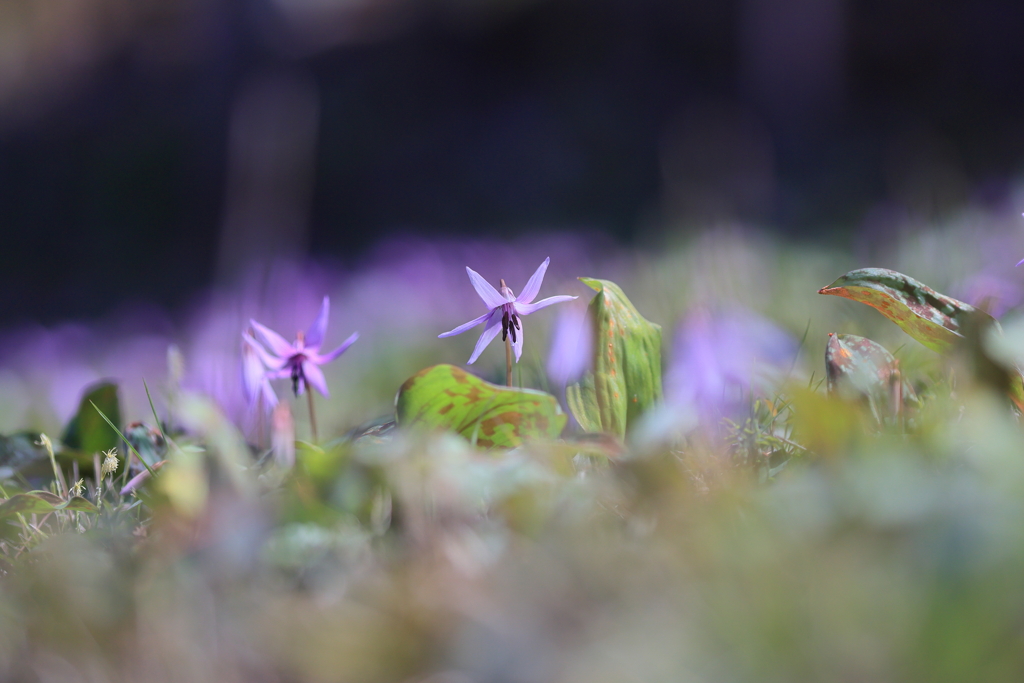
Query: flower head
300	361
109	465
505	309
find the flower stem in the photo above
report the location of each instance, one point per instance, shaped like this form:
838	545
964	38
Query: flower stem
312	414
508	361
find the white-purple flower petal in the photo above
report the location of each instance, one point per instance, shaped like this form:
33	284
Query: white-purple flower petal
466	326
316	332
315	377
272	340
532	288
488	293
490	332
331	355
517	343
269	360
254	378
528	308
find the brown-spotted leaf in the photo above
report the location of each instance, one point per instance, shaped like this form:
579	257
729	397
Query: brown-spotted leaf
625	379
858	367
448	397
931	318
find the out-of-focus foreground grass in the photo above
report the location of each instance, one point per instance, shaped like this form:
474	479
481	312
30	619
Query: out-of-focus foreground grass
873	555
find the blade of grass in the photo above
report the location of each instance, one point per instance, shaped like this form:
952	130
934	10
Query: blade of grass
130	446
799	348
168	440
152	407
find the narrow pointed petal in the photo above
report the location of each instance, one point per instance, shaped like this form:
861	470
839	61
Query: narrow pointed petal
269	397
465	326
270	361
487	292
315	377
253	376
328	357
316	332
527	309
532	288
517	345
490	332
273	341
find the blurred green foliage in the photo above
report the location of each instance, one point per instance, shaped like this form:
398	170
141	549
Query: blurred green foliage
802	540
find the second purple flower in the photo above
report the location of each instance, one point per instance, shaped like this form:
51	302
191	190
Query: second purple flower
299	361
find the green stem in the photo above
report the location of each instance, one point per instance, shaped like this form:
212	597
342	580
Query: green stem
508	361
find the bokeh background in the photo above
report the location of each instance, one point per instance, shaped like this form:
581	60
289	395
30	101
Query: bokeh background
152	149
170	169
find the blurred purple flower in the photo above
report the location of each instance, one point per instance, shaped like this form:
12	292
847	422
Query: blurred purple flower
254	375
505	309
300	361
720	357
990	292
571	345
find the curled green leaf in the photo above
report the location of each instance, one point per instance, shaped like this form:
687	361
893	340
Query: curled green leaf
626	376
931	318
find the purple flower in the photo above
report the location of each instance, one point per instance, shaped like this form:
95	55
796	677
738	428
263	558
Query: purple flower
720	357
300	361
505	310
254	375
571	346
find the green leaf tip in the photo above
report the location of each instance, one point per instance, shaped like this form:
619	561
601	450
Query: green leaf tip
626	376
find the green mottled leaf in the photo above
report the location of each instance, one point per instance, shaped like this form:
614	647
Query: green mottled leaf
934	319
626	376
448	397
88	432
42	502
931	318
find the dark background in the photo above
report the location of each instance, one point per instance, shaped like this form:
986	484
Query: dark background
149	153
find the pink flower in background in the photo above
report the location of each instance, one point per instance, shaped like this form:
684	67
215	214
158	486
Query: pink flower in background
299	361
505	309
